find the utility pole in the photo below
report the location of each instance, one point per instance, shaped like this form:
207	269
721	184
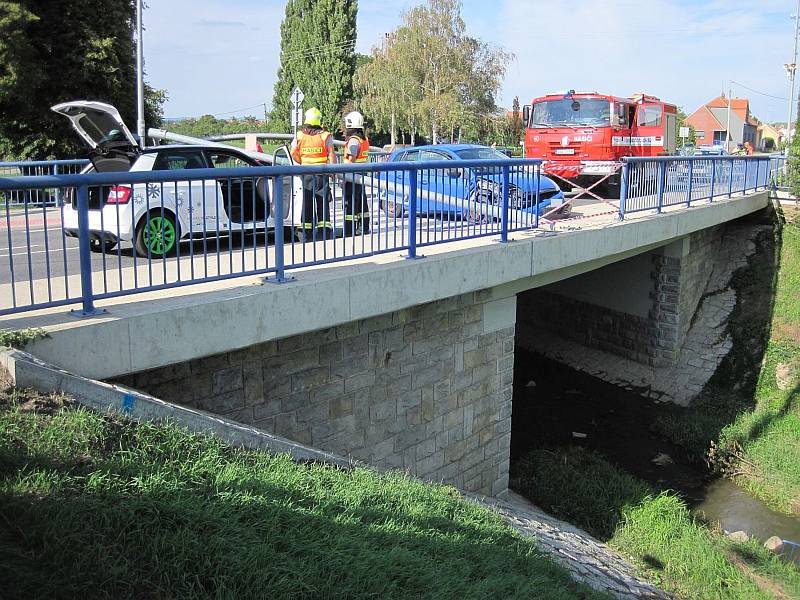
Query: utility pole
791	68
728	126
140	76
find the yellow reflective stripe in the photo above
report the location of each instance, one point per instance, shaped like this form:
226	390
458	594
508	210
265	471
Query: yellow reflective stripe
316	160
349	218
307	226
322	224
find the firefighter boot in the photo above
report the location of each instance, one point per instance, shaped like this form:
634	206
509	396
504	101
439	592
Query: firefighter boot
364	225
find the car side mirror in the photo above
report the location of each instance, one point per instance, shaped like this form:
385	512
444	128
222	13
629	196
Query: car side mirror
454	173
526	114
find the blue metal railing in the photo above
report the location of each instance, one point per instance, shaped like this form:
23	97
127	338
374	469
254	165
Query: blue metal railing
661	182
127	232
48	197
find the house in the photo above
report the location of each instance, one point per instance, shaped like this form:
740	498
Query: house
710	123
771	137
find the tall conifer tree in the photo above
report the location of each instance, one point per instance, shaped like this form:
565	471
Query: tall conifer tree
317	42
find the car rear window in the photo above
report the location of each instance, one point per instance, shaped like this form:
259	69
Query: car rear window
172	160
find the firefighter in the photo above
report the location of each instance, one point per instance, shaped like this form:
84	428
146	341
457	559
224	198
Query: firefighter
356	209
314	146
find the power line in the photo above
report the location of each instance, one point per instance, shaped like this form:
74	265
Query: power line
757	92
230	112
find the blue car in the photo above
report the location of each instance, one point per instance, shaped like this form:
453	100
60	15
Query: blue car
469	193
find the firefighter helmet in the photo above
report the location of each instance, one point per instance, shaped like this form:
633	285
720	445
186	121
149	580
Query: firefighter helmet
313	117
354	120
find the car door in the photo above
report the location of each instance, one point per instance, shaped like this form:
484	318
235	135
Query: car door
441	190
291	193
243	202
197	203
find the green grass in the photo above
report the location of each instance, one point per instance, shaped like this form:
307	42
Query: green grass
19	338
678	553
98	507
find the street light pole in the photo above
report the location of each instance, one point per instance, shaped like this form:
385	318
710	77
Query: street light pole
728	126
140	76
791	69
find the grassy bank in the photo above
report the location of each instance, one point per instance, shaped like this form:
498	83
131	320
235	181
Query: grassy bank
678	553
96	507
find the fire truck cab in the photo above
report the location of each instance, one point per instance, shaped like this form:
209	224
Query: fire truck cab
582	136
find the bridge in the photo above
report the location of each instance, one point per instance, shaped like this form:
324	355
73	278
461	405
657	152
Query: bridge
359	345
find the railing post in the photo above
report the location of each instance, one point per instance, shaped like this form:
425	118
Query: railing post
85	255
662	176
744	185
412	215
691	182
538	195
58	189
623	189
730	181
277	201
713	177
504	217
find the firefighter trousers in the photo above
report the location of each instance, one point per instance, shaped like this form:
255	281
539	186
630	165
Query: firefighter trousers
356	208
316	208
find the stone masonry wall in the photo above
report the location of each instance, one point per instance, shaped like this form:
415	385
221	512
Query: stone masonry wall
426	389
677	276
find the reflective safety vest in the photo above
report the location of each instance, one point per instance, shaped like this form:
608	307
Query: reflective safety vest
363	150
311	149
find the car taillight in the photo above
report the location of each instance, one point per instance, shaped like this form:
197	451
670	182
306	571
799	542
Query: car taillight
119	194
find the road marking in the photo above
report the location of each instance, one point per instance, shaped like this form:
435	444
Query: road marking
37	252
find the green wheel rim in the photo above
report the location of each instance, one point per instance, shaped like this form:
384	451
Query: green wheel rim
159	235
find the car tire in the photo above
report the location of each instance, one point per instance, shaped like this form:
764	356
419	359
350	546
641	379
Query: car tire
157	236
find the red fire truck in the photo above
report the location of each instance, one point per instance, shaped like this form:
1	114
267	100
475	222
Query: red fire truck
581	136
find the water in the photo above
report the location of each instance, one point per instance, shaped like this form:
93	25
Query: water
736	510
561	402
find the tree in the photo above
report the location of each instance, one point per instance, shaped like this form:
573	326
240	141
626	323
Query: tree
53	52
317	41
682	116
431	76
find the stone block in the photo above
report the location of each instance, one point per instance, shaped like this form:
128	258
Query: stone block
355	347
294	401
328	391
330	353
310	378
430	464
427	376
357	382
455	451
267	410
210	363
291	362
290	344
425	448
341	406
382	410
285	424
227	379
407	438
347	330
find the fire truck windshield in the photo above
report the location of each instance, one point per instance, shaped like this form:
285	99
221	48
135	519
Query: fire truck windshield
572	112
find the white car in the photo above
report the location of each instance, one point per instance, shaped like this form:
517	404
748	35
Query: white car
154	217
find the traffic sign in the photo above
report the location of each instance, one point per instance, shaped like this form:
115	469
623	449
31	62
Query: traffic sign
296	97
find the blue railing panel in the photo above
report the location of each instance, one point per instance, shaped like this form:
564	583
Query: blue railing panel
128	232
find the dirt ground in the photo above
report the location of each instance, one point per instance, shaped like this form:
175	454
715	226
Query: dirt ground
28	400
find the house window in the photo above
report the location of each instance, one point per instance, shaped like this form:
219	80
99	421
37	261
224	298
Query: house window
699	133
719	137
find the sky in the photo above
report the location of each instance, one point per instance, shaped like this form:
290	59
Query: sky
222	57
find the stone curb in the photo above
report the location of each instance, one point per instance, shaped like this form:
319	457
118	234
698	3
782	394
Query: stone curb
28	371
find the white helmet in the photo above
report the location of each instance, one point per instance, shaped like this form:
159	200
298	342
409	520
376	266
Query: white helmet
354	120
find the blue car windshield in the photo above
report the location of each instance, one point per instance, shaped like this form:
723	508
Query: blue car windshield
479	154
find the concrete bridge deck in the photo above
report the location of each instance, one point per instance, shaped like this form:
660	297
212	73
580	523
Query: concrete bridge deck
160	328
